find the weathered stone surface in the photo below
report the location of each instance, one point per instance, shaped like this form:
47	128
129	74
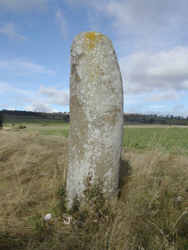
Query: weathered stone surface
96	114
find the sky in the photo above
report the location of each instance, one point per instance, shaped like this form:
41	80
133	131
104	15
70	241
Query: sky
150	39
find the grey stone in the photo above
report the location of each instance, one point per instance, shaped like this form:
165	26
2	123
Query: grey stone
96	114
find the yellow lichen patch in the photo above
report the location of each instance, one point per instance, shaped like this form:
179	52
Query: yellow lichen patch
92	38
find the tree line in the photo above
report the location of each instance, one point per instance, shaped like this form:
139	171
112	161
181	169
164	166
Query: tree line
29	116
155	119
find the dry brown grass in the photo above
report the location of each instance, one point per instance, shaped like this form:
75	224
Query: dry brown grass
32	168
150	213
156	197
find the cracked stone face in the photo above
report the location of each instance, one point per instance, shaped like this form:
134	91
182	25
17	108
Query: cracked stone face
96	114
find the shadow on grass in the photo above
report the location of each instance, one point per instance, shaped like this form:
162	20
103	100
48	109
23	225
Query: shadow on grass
124	174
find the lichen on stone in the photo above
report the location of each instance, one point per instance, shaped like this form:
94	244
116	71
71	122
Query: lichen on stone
92	38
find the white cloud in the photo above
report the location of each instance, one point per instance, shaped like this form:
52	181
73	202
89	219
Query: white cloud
22	67
163	96
55	96
139	16
13	96
39	100
40	107
62	23
161	71
155	81
9	30
22	5
146	15
147	24
98	4
8	88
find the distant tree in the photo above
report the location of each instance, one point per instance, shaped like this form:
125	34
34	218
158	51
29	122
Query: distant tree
151	120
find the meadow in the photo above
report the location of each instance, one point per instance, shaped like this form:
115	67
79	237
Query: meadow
138	137
151	212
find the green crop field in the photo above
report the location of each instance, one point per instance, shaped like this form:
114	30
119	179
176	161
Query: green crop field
165	138
170	139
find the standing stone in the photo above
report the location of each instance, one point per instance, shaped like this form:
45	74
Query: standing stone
96	114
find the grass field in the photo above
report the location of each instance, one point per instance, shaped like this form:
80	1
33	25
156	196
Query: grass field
169	139
151	212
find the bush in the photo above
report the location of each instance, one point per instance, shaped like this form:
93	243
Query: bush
21	126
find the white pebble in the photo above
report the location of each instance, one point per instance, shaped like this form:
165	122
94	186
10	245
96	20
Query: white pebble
47	217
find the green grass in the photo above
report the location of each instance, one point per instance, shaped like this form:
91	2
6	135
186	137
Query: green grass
169	139
59	132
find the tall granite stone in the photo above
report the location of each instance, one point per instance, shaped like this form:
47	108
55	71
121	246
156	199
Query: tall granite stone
96	114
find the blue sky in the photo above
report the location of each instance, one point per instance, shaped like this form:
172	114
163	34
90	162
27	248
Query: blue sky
150	38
